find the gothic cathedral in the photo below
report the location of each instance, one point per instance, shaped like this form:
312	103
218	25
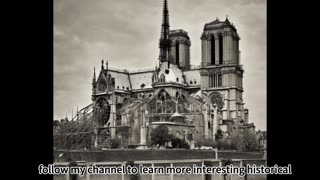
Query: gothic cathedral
192	102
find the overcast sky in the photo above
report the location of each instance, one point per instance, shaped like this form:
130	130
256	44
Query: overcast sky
126	33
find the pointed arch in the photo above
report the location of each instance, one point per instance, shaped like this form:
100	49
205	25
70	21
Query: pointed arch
220	48
177	53
213	50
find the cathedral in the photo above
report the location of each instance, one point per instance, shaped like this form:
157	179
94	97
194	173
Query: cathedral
191	101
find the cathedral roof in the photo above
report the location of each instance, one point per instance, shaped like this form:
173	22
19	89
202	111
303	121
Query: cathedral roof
192	77
174	74
141	80
178	33
217	24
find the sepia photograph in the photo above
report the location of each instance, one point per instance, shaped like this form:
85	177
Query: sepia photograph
160	83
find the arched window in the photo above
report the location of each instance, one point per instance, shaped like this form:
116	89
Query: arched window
213	50
220	49
177	53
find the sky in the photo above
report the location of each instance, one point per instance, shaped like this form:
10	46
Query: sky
127	32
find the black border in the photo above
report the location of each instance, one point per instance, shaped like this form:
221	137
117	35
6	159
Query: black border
30	105
29	91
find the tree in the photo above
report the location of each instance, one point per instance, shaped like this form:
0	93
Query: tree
245	142
56	123
219	135
236	143
250	142
160	135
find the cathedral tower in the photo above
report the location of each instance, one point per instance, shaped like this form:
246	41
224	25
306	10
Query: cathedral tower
220	44
221	75
180	48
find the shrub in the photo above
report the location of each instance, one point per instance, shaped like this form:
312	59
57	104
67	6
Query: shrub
178	143
205	142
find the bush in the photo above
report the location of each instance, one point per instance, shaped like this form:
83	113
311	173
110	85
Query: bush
112	144
178	143
205	142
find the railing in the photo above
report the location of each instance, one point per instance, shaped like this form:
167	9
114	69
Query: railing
225	63
195	66
130	71
141	70
116	69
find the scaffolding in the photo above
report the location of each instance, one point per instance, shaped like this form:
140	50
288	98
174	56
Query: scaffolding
76	133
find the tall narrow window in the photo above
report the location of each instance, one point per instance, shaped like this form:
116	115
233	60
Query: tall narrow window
214	80
177	53
220	49
220	80
213	49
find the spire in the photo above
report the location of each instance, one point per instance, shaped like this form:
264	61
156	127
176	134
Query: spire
102	66
94	75
165	21
94	82
107	65
165	29
77	112
227	20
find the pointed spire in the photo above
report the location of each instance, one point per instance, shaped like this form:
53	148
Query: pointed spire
77	112
102	66
227	20
165	43
94	81
94	75
165	20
